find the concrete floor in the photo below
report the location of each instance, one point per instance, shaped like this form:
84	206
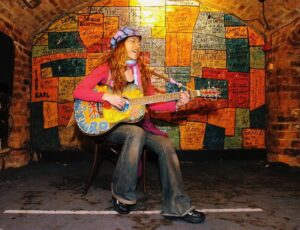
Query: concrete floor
230	192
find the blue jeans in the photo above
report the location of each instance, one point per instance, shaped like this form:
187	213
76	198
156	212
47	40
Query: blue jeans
175	201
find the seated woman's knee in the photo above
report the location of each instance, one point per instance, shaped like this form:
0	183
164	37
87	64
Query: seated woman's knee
135	131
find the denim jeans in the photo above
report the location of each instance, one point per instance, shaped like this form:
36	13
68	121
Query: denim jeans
175	201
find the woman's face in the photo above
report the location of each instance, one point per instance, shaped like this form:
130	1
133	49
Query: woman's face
132	45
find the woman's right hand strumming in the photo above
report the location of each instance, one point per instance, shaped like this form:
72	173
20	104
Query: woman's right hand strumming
114	100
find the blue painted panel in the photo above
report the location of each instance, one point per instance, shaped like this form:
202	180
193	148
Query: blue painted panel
214	137
258	118
61	40
230	20
42	139
238	55
205	83
72	67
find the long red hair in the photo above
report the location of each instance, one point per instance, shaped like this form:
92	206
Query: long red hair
117	63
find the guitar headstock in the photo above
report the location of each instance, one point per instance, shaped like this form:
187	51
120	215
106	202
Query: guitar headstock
210	93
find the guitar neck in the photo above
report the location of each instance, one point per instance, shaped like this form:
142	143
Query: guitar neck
160	98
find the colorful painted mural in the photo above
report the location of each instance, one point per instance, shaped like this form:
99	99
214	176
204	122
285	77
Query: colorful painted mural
196	45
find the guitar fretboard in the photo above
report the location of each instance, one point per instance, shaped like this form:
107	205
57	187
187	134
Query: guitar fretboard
160	98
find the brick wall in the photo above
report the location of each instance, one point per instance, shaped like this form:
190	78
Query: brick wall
19	111
283	94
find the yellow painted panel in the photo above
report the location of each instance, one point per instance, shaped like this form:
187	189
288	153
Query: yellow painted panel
111	25
158	32
207	58
65	24
153	16
41	40
50	113
205	8
147	3
65	89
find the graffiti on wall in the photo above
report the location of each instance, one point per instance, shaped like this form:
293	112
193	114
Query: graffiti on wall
196	45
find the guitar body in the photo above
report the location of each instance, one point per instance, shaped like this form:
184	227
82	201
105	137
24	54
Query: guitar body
95	118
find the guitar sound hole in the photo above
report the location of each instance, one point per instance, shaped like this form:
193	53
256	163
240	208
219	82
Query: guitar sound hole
126	106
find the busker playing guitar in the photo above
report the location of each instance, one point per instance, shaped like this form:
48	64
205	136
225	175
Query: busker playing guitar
122	67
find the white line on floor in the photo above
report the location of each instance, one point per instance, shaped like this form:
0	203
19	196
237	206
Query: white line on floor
82	212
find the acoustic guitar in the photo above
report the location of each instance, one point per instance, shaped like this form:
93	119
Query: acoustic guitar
95	118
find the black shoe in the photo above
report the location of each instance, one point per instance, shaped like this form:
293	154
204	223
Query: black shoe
194	217
120	207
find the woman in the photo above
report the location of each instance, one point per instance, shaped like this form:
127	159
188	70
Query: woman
123	66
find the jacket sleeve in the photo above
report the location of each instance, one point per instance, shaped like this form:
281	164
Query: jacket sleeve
84	90
169	106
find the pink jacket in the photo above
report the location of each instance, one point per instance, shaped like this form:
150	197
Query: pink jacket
84	91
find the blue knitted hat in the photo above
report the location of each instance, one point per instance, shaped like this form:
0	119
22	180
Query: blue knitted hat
123	33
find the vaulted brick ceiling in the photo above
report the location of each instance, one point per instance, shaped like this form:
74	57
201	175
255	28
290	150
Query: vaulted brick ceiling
277	12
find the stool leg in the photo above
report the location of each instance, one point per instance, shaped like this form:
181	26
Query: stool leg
93	170
2	164
144	172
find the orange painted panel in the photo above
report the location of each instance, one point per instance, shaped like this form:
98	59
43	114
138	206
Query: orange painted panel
224	118
177	45
112	3
181	18
192	135
171	49
91	28
236	32
257	88
184	44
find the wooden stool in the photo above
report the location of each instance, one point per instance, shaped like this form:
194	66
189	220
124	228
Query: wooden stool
98	155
